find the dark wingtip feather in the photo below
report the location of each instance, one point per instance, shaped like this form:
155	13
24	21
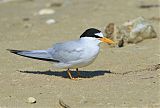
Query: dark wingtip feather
18	53
14	51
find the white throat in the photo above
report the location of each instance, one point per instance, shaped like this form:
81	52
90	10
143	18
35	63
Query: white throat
90	40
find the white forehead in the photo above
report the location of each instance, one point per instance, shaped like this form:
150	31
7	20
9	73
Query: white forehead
100	34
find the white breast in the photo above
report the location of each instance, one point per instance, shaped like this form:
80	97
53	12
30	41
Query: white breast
88	54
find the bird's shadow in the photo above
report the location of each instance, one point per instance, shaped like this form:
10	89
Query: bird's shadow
63	74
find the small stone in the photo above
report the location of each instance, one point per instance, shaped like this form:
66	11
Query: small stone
26	19
50	21
46	11
31	100
121	43
55	4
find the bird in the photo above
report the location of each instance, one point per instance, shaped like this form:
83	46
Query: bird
70	54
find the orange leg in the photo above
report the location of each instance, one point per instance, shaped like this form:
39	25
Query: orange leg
70	76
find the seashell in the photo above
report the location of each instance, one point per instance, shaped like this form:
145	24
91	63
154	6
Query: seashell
133	31
50	21
31	100
46	11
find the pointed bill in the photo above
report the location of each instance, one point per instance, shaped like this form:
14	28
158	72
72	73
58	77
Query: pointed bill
106	40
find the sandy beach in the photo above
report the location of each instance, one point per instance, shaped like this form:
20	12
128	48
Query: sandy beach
126	77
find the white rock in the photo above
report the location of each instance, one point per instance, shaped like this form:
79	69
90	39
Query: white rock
50	21
46	11
133	31
31	100
139	29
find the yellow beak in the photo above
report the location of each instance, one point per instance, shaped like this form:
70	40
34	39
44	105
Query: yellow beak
106	40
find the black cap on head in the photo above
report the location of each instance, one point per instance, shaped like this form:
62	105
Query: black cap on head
91	33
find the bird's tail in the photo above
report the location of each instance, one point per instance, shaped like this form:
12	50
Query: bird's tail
34	54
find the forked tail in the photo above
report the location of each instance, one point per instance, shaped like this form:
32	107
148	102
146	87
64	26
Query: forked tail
34	54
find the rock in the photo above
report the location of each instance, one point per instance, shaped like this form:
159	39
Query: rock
121	43
31	100
139	29
46	11
110	30
50	21
133	31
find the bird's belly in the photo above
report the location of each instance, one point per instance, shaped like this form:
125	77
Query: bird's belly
83	63
87	58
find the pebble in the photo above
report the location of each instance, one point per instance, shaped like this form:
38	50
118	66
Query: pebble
31	100
26	19
50	21
55	4
46	11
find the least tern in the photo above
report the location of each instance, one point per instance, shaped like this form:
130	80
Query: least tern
72	54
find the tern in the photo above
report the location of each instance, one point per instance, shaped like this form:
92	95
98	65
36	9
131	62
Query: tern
71	54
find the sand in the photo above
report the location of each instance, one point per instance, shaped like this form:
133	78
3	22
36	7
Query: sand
124	77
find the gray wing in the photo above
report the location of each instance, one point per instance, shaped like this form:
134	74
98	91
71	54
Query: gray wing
66	52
